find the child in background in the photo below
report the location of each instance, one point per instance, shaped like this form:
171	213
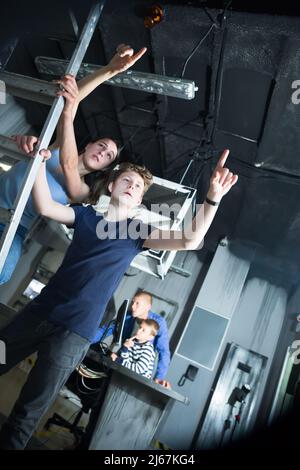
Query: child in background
137	353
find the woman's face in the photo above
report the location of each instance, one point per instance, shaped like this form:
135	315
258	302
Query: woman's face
100	154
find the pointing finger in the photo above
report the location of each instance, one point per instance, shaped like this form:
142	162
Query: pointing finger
223	158
139	54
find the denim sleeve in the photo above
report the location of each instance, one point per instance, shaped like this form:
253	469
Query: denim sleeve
103	332
163	350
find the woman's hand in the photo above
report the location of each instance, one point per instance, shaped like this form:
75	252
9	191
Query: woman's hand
69	90
25	143
124	58
28	143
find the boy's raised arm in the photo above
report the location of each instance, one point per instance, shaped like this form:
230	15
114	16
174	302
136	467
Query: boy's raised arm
191	237
43	201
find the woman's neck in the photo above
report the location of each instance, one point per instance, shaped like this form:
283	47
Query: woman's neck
82	170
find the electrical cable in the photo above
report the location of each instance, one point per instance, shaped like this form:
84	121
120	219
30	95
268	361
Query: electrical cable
195	49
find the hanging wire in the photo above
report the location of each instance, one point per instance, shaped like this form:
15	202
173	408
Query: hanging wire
195	48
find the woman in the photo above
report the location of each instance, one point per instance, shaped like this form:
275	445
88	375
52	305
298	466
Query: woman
71	177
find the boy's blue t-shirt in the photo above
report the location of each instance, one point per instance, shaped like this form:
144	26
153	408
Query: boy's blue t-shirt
11	181
77	295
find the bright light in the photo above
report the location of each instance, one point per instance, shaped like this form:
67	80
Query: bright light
5	166
33	289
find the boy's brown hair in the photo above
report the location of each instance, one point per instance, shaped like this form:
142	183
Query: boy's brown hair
153	325
140	170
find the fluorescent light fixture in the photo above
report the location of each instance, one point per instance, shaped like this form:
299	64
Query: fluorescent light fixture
5	166
33	289
148	82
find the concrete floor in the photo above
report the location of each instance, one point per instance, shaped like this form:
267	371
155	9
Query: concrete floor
56	438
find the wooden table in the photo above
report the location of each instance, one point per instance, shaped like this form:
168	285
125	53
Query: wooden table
130	410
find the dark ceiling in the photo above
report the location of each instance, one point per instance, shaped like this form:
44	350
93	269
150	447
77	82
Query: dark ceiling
244	70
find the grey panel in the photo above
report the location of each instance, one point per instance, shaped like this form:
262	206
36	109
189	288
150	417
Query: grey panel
203	336
169	432
225	280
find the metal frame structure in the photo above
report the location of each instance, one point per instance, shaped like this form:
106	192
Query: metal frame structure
156	263
46	134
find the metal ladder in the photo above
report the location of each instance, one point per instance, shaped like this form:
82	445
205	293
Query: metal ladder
42	94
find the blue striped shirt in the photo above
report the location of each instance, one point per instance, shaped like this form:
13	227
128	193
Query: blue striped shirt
140	358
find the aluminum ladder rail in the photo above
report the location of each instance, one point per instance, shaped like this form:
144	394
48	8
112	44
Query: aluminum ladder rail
46	134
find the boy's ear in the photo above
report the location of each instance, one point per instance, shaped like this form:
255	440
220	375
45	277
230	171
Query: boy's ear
109	187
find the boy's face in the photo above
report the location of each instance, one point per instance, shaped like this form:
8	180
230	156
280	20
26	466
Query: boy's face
144	333
128	189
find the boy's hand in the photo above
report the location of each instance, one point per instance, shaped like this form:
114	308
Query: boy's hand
46	154
125	58
69	90
222	180
129	342
27	144
113	356
164	383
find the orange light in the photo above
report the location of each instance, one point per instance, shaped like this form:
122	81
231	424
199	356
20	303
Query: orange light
155	15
